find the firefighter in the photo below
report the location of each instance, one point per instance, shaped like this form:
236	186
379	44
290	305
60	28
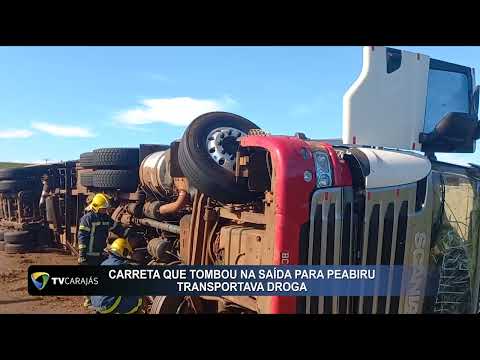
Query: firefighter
118	253
93	232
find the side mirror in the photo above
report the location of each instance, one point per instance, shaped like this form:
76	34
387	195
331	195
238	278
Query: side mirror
455	131
456	127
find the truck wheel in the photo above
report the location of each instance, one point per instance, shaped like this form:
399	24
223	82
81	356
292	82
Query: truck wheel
17	248
19	185
170	305
207	152
123	180
86	179
18	237
23	172
115	158
86	160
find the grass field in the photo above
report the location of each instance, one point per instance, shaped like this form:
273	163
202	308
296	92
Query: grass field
4	165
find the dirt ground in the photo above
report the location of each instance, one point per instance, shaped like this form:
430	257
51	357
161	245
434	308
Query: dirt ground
14	297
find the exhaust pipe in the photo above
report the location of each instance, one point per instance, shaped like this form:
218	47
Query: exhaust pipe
174	206
155	208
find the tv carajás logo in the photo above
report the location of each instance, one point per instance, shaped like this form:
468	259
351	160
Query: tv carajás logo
40	279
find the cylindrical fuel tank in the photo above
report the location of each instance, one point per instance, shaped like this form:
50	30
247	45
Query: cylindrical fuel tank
155	173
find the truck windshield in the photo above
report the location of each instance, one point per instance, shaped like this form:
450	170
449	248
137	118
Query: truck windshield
447	91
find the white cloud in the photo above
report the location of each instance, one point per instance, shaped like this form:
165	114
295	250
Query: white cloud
15	134
59	130
179	111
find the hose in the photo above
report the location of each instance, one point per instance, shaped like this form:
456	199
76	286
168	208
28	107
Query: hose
174	206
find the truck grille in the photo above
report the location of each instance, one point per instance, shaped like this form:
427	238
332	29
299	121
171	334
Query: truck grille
377	237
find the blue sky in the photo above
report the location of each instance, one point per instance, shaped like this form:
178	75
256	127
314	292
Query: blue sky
57	102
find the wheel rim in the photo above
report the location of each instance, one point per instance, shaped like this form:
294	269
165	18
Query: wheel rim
222	145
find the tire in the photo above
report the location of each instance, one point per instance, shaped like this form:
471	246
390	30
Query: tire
19	185
198	166
123	180
2	233
23	172
17	248
115	158
86	179
86	160
18	237
2	245
166	304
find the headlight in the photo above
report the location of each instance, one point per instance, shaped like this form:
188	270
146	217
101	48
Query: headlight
323	169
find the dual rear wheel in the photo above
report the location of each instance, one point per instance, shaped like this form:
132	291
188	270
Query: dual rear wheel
110	169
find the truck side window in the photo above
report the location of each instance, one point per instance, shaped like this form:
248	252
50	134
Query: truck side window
447	92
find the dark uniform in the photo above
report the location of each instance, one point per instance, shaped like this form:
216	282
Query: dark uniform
92	237
116	304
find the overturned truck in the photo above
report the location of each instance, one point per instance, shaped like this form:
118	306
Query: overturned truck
229	193
23	224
